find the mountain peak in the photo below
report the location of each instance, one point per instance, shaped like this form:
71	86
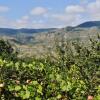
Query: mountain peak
89	24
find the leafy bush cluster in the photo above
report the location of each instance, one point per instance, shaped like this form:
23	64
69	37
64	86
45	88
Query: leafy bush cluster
72	75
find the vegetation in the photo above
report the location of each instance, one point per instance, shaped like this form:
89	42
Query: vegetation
6	51
72	75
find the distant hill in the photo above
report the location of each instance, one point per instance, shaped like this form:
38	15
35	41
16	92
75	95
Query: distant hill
9	31
89	24
30	42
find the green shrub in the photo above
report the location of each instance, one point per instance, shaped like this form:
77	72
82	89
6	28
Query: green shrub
72	76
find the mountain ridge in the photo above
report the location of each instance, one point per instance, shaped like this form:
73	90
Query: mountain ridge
89	24
12	31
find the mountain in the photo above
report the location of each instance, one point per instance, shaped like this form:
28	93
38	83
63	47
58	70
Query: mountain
40	42
89	24
9	31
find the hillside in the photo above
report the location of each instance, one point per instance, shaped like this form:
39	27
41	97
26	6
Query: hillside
40	41
10	31
89	24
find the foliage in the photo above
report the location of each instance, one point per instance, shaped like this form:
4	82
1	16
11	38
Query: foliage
6	50
73	75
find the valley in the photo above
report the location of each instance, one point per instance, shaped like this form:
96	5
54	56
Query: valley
37	42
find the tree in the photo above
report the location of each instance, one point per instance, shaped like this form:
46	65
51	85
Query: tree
6	50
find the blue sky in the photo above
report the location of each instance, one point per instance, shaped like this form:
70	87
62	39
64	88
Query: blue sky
47	13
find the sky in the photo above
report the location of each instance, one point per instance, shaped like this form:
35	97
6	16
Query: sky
47	13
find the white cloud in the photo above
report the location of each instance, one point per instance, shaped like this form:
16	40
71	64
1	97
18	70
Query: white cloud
76	14
93	9
3	22
71	15
19	23
22	23
63	17
39	25
60	17
73	9
38	11
25	17
66	19
3	9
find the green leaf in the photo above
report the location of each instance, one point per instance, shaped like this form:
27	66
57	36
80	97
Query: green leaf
27	95
17	88
11	88
24	87
39	90
42	66
97	97
64	88
69	86
37	98
59	96
34	82
58	77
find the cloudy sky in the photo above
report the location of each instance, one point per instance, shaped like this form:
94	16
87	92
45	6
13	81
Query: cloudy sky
47	13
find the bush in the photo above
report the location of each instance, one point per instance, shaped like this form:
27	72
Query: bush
72	76
6	50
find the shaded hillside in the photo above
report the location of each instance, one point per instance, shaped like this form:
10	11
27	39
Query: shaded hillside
9	31
90	24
